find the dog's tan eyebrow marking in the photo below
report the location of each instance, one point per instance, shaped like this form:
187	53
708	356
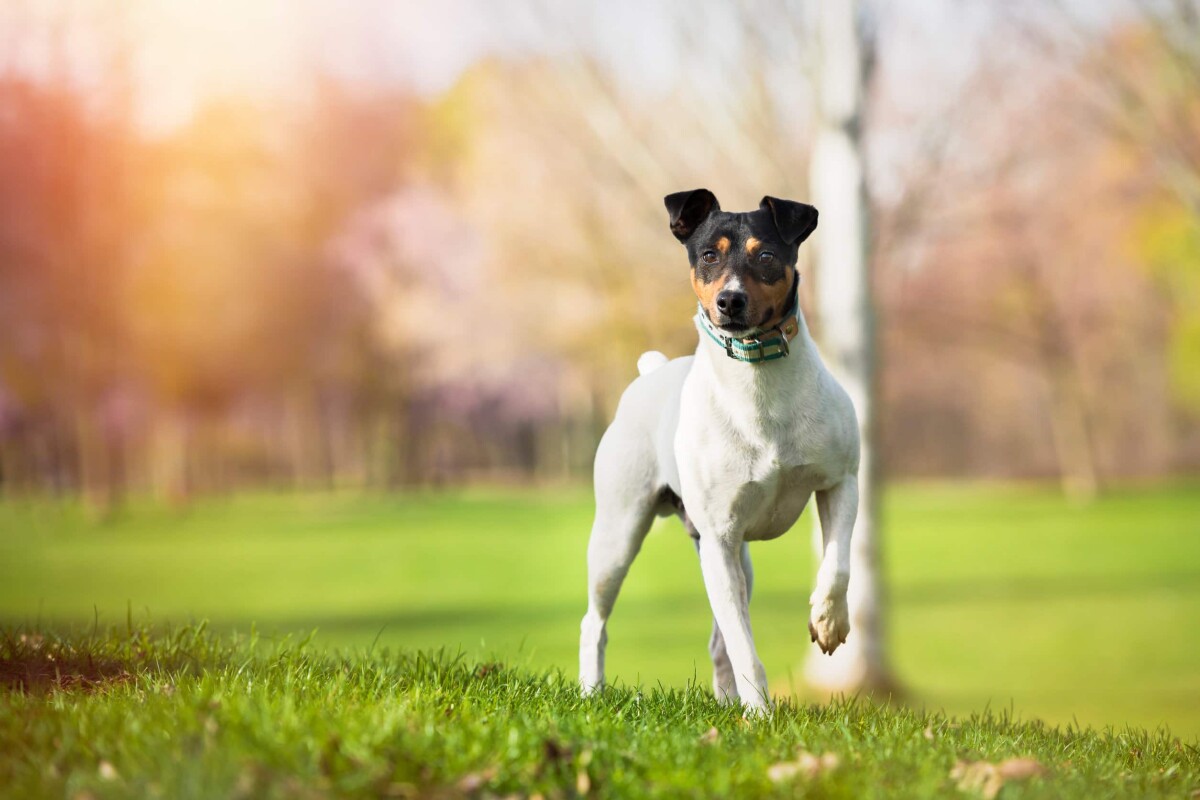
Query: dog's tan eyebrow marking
753	245
723	244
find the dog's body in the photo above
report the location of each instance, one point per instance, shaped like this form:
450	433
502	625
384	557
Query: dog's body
735	448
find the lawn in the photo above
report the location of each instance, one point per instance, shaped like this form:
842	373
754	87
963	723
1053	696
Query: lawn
126	713
1006	598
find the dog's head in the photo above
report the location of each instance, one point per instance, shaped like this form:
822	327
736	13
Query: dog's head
743	264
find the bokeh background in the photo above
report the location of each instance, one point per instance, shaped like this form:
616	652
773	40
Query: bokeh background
312	313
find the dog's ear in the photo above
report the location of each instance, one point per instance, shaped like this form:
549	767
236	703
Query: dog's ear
688	210
795	221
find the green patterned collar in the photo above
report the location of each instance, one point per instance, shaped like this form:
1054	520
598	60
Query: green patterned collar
769	345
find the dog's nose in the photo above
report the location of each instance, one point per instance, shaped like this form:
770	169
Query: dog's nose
731	303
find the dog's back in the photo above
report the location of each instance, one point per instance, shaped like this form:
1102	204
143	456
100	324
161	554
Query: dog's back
638	450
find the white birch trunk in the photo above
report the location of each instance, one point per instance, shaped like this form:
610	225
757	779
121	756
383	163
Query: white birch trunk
845	315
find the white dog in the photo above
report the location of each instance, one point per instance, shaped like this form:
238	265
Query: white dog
734	439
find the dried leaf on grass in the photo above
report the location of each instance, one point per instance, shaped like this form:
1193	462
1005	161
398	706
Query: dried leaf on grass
987	779
583	781
483	670
474	781
806	766
1019	769
710	736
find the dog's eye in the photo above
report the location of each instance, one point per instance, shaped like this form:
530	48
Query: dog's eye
766	257
709	256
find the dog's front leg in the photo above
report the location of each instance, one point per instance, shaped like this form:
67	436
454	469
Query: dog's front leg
724	686
721	563
829	623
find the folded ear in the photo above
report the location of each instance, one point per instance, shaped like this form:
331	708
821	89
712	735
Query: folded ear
794	221
688	210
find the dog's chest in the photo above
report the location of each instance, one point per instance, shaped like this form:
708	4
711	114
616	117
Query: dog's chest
750	453
771	498
755	485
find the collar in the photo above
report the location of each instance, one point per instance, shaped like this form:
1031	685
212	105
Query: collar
769	345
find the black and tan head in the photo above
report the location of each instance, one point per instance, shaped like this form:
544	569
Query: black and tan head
743	264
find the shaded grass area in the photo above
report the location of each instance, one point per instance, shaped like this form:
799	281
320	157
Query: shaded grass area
1002	597
30	663
190	715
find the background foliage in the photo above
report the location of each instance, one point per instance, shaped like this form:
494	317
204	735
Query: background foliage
357	277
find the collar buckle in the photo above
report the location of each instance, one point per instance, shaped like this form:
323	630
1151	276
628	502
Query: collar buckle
757	353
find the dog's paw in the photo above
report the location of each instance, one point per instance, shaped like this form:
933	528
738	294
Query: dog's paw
726	695
829	623
758	709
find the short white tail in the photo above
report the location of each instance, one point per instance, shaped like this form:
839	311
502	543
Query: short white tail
650	361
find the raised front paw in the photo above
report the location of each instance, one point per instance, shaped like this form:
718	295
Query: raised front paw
829	622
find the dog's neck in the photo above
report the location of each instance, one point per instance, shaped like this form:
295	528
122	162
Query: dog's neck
757	345
757	388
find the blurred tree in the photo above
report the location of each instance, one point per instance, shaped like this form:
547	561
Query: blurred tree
353	149
1168	238
846	329
1140	67
1042	277
64	207
215	300
1018	269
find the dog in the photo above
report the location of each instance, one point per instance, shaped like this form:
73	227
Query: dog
734	439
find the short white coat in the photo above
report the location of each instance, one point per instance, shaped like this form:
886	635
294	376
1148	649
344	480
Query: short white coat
736	449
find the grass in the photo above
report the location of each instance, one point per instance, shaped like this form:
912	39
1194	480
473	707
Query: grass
1005	598
130	713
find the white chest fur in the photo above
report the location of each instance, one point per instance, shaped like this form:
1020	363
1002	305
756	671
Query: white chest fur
754	441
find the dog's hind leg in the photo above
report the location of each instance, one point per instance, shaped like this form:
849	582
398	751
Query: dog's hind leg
617	536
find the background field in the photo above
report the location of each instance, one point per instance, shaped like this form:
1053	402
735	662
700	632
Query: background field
1066	614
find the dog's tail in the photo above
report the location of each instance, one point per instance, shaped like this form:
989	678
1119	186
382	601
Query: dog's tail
650	361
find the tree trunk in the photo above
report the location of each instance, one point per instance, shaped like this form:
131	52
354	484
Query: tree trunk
170	447
847	332
95	479
1078	472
